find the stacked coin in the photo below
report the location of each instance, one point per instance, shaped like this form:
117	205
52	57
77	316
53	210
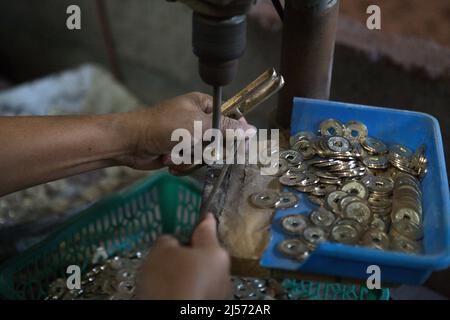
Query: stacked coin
403	159
419	162
407	199
307	181
406	216
302	142
400	157
368	192
380	194
376	162
374	146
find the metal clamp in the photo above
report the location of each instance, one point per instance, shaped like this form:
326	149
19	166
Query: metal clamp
266	85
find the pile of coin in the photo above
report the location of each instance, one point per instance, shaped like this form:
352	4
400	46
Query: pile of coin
113	279
368	192
251	289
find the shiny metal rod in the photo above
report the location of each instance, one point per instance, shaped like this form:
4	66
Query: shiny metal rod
217	103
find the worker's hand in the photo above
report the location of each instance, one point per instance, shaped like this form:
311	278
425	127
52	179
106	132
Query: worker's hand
150	142
200	271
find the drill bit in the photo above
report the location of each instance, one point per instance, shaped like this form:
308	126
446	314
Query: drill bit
246	100
217	103
217	112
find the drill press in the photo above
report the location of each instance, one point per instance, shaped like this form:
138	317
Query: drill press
309	29
219	30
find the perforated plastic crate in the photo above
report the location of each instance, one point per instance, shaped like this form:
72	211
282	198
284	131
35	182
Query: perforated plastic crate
123	221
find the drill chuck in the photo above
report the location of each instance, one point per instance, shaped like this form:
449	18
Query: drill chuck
218	43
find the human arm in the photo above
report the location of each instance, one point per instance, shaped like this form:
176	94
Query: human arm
39	149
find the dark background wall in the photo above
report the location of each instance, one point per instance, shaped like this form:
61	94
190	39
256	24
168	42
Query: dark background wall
153	46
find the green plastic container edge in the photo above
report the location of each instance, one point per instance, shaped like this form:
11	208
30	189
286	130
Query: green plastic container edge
167	181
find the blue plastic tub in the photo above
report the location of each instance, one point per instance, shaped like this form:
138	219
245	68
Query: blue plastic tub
392	126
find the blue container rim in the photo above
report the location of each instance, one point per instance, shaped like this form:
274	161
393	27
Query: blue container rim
438	261
402	268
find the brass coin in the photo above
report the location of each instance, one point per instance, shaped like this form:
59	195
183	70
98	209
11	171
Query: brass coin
294	248
331	127
294	224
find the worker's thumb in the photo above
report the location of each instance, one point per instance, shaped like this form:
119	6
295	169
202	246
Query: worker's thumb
229	123
205	235
166	241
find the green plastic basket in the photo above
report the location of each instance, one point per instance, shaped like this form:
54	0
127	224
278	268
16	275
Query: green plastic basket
312	290
127	221
124	221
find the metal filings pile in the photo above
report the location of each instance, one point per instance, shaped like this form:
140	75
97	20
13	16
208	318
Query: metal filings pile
368	193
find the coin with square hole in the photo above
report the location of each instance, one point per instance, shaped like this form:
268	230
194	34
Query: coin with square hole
292	157
356	188
356	130
359	211
265	199
338	144
380	184
294	224
331	127
408	214
374	146
345	233
294	249
322	218
313	236
376	239
334	198
287	200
